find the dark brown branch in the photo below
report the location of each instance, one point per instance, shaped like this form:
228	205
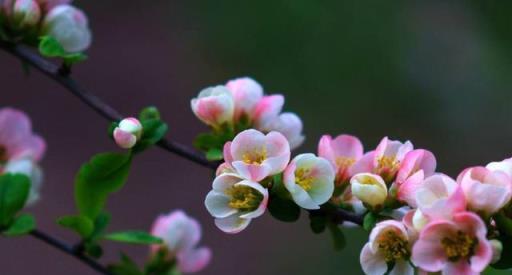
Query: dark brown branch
52	71
62	246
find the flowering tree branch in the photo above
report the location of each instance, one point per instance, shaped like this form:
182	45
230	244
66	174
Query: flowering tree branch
53	72
70	250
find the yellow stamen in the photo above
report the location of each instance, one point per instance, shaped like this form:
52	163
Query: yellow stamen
255	157
244	198
393	246
459	246
304	179
344	162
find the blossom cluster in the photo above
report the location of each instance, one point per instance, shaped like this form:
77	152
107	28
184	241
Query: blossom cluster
21	149
253	160
241	104
28	20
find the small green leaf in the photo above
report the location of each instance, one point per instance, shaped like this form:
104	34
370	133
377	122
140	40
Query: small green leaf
283	210
100	225
153	131
50	47
133	237
214	154
104	174
338	237
370	220
80	224
22	225
14	191
149	113
207	141
93	249
126	267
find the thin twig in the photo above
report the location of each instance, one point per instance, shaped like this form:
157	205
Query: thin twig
52	71
62	246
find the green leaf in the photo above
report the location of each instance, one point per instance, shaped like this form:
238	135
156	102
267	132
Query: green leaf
370	220
100	225
214	154
22	225
153	131
93	249
149	113
80	224
338	237
104	174
504	223
126	267
161	263
207	141
317	222
14	191
283	210
133	237
50	47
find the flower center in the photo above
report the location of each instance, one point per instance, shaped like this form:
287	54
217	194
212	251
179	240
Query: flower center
304	179
255	157
393	246
459	246
244	198
390	163
344	162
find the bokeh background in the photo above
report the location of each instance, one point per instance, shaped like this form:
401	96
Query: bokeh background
435	72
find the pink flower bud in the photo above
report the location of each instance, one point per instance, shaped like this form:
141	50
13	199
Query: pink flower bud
246	95
214	106
69	26
267	111
26	13
290	125
128	132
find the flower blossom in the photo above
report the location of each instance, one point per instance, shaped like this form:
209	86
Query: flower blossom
290	125
457	246
20	149
214	106
246	95
389	244
310	180
235	201
181	235
342	152
439	197
256	156
369	188
417	165
486	191
388	157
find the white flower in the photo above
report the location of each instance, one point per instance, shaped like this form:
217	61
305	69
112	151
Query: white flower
234	202
310	180
369	188
214	106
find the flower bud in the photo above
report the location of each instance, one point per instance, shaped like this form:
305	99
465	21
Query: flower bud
128	132
369	188
26	13
69	26
290	125
214	106
246	95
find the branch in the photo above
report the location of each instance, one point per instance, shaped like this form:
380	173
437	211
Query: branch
62	246
62	77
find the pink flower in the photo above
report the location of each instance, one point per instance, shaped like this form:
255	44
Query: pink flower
389	243
128	132
246	95
389	156
267	110
234	202
256	156
439	197
342	152
214	106
310	181
486	191
454	247
416	166
504	166
16	137
181	235
26	13
290	125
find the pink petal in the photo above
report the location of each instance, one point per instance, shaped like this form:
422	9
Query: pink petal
253	172
372	263
194	260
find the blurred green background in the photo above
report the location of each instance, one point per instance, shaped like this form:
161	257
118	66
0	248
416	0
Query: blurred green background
435	72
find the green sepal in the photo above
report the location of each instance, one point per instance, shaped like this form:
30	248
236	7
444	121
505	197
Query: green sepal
370	220
283	209
82	225
22	225
214	154
149	113
126	267
153	131
161	263
50	47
